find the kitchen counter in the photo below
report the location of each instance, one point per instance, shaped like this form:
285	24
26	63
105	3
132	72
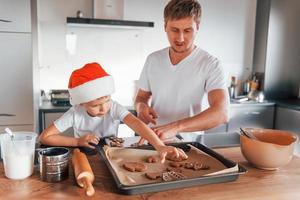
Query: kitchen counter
255	184
289	103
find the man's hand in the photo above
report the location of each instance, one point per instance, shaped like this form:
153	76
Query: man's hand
85	140
166	131
147	114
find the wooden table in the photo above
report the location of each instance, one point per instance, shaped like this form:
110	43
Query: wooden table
255	184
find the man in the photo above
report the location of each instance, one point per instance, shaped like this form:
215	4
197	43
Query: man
177	77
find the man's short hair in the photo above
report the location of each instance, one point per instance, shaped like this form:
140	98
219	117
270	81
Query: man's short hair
179	9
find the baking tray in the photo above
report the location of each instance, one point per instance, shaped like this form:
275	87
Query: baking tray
161	186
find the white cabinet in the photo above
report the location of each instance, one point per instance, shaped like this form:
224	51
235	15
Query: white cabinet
16	83
15	16
16	90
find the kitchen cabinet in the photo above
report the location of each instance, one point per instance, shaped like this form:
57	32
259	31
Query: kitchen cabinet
51	117
219	129
16	88
15	16
256	116
16	79
289	119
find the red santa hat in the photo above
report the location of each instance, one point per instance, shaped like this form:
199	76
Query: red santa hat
89	83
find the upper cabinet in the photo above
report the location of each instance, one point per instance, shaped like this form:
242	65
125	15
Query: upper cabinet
15	16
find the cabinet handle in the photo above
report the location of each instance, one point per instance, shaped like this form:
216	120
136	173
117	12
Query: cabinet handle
3	20
6	115
252	113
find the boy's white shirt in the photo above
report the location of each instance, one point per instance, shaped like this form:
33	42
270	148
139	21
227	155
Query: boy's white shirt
178	90
82	123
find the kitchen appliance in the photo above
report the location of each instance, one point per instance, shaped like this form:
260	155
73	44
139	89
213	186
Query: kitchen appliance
60	97
276	47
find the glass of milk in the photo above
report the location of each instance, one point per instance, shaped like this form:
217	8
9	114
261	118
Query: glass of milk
18	154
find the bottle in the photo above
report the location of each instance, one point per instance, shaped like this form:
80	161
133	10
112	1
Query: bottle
232	87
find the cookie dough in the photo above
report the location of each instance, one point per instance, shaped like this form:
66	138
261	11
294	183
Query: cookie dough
172	169
153	175
134	166
152	159
176	164
196	166
116	141
173	157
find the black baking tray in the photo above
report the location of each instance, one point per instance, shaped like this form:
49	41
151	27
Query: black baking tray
156	187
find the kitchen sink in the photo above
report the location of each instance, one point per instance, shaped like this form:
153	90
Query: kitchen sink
218	140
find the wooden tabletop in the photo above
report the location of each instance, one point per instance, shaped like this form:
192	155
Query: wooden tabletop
255	184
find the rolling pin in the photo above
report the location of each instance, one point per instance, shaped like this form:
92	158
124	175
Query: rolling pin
83	172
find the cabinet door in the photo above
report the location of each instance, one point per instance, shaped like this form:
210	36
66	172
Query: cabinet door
15	16
287	119
16	89
51	117
251	116
18	128
219	129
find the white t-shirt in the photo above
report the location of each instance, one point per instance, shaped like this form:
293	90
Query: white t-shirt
177	90
83	123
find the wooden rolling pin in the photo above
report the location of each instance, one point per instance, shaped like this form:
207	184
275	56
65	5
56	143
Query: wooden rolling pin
83	172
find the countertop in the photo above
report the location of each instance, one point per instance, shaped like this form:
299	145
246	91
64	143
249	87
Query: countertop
289	103
46	106
255	184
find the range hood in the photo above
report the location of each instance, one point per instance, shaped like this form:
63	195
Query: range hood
108	13
108	23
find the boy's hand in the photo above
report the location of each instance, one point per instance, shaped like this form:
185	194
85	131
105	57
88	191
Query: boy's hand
164	150
88	138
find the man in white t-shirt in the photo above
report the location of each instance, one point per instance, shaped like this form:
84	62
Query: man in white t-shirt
176	78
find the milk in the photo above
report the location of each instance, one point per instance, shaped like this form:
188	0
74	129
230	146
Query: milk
18	154
18	166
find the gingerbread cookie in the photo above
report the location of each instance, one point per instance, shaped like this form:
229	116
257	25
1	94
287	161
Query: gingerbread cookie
115	144
153	175
152	159
188	165
134	166
116	141
172	169
173	157
196	166
176	164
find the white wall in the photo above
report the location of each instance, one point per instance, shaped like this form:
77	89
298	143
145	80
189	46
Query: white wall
227	31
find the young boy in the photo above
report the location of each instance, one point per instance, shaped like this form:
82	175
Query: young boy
94	115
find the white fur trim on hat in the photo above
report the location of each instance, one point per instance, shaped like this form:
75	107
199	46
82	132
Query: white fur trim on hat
92	90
